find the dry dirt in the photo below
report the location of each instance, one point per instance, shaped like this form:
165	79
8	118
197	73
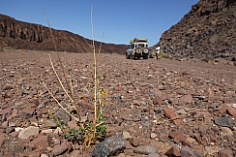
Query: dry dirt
169	104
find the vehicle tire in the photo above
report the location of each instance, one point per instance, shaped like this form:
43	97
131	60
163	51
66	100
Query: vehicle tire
127	56
145	57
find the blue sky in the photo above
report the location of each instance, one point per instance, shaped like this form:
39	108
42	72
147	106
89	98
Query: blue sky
119	20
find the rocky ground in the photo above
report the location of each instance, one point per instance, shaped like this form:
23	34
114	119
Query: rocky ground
162	108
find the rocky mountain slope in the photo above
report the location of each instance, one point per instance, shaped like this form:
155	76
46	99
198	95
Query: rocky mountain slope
22	35
207	31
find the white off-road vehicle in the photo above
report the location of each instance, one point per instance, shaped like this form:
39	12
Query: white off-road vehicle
138	48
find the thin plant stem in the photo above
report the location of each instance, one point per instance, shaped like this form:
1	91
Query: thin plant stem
71	89
88	43
59	80
55	45
77	119
95	75
71	97
100	48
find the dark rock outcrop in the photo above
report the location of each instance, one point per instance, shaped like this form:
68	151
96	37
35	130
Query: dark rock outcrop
110	146
22	35
206	32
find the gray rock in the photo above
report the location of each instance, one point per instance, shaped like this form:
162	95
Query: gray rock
30	131
110	146
145	149
222	121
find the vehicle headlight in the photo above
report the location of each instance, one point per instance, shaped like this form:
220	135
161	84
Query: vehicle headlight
138	51
145	50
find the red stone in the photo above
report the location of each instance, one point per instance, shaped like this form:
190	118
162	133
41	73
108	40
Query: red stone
157	101
178	136
185	99
43	141
169	113
173	151
231	111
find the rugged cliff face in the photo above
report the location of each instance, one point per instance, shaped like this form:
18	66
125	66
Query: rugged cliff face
208	31
22	35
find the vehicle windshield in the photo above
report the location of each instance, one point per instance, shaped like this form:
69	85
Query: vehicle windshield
140	45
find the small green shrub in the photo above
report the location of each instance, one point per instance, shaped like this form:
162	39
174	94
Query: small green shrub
84	133
89	136
85	130
75	134
57	122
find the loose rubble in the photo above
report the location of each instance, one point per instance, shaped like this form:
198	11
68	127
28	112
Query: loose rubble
153	108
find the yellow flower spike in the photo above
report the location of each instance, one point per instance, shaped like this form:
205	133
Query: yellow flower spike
103	102
104	93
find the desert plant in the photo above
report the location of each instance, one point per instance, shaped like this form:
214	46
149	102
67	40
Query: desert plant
57	122
75	134
89	131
